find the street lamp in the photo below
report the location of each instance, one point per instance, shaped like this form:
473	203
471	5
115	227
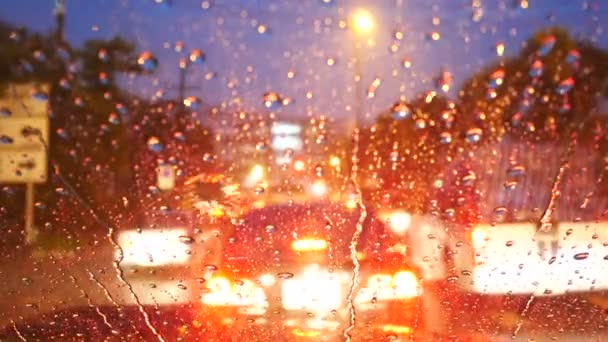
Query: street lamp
363	21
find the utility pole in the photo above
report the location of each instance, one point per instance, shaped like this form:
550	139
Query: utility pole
59	13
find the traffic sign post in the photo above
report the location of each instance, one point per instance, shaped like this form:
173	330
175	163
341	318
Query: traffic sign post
24	137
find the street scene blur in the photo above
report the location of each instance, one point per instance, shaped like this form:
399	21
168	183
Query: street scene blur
315	170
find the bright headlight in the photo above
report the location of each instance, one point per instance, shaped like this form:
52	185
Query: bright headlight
399	221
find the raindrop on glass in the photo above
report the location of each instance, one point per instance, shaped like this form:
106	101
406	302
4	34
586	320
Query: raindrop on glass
401	111
147	61
546	45
154	144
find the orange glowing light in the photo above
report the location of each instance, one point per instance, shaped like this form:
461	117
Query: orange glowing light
308	245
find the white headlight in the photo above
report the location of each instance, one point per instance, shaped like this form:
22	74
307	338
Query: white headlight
399	221
267	280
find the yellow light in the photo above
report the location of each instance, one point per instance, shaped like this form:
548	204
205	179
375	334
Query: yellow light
267	280
500	49
299	165
399	221
334	161
405	284
216	212
351	203
319	188
222	292
363	21
257	173
396	329
309	245
479	236
306	333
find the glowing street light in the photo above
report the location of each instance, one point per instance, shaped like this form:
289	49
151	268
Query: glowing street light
363	21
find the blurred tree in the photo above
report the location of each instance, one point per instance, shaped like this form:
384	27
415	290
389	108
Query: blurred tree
554	90
407	148
89	136
549	91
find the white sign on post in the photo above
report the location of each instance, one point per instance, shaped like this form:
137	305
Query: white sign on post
23	157
24	139
165	177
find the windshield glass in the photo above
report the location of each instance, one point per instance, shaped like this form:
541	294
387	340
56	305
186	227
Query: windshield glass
324	170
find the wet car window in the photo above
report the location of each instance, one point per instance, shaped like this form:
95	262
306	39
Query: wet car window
319	170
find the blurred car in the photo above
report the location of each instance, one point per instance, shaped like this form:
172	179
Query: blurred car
510	264
288	267
166	255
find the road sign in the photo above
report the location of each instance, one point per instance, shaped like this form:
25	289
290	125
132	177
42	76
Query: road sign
24	141
165	177
24	131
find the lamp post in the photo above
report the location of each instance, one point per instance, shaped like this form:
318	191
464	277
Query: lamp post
362	24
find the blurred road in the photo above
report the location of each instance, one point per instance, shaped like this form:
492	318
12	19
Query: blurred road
35	284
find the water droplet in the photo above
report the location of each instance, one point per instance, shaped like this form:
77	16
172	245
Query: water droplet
573	58
407	63
319	170
272	100
186	239
445	137
466	272
61	191
516	171
5	139
39	95
102	55
581	256
435	36
509	243
565	86
401	111
259	190
394	156
510	185
103	78
500	49
122	109
5	112
262	29
260	146
114	119
420	124
65	84
536	70
197	56
211	267
496	79
285	275
62	133
473	135
270	228
39	56
154	144
192	102
546	45
469	179
147	61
